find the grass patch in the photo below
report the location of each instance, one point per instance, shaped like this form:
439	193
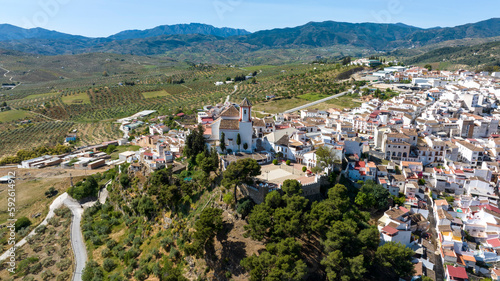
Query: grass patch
39	96
257	67
279	105
343	102
80	98
123	148
155	94
12	115
312	96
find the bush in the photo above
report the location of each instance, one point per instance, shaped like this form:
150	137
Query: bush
108	265
304	169
275	162
245	207
288	162
22	223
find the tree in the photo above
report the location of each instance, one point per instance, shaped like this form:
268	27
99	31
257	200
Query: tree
124	180
372	195
238	140
280	261
428	66
326	159
304	169
395	257
195	143
245	146
92	272
240	171
245	207
228	198
110	149
222	142
206	227
291	187
145	206
22	222
108	265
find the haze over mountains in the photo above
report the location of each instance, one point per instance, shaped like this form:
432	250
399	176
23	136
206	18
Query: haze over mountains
210	39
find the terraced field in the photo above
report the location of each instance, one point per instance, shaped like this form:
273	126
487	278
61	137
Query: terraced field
91	101
33	135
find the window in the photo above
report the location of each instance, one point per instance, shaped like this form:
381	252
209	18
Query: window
245	111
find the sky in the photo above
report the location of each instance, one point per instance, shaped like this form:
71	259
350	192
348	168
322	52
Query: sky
101	18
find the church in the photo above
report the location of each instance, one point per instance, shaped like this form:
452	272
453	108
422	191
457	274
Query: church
231	122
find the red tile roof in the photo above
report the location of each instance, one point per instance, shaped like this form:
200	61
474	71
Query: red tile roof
456	272
390	230
494	242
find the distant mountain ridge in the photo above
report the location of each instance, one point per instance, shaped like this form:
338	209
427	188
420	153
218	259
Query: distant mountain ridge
207	40
192	28
11	32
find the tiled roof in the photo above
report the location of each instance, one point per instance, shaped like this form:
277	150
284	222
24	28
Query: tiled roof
456	272
226	124
230	112
245	102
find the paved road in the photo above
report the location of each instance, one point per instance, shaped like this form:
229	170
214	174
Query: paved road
77	242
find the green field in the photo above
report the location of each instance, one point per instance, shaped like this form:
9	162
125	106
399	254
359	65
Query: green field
123	148
155	94
257	67
342	102
80	98
313	96
39	96
278	105
12	115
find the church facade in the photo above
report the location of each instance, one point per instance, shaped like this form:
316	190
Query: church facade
233	122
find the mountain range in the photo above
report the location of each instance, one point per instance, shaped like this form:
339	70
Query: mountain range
207	39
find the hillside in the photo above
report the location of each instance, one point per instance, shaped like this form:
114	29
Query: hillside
477	56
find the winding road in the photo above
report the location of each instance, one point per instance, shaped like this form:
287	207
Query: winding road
11	77
77	241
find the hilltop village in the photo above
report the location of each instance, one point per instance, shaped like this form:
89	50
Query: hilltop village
433	144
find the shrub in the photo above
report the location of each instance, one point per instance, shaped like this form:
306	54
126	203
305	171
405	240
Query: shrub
304	169
108	265
275	162
288	162
22	223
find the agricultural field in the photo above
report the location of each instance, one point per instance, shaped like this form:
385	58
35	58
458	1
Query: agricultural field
47	255
93	133
278	105
155	94
91	95
312	96
78	98
14	115
33	135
